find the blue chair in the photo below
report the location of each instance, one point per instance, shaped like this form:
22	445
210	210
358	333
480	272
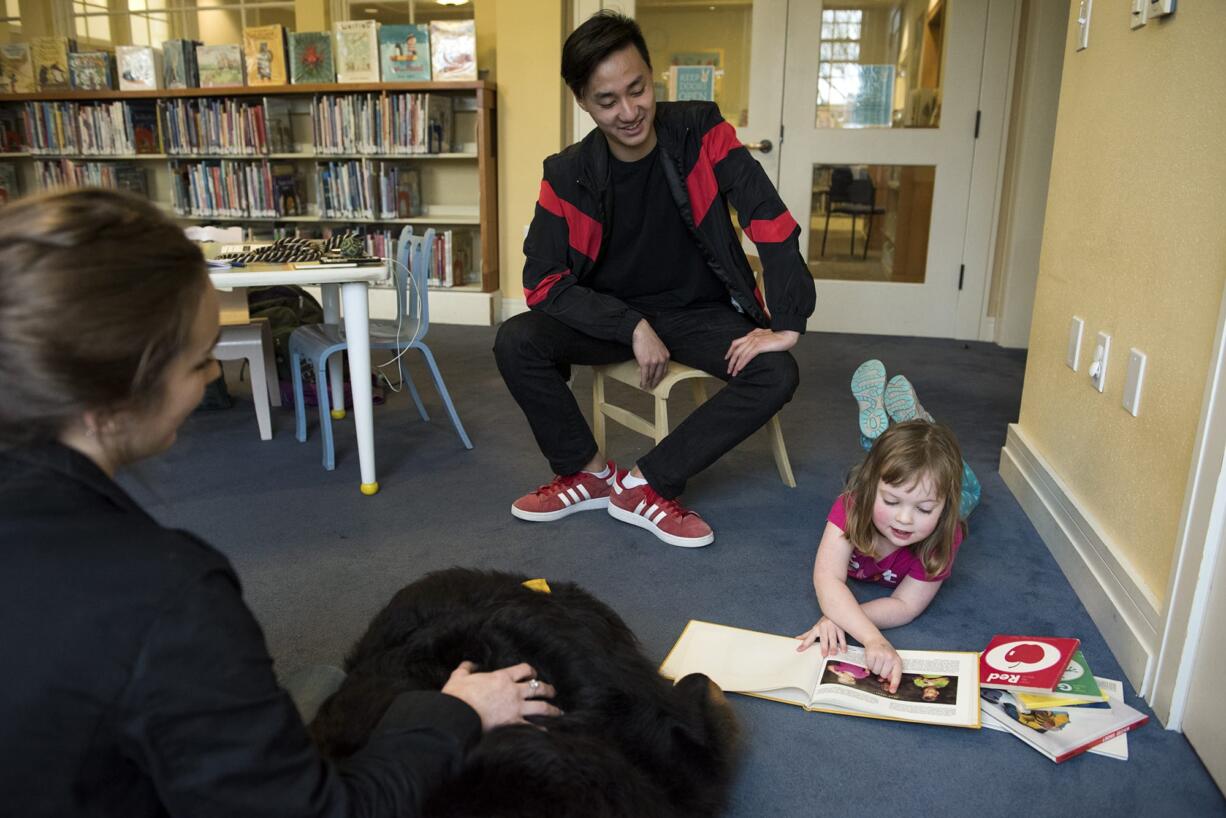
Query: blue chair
317	342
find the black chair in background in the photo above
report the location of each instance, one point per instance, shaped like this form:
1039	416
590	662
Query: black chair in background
851	196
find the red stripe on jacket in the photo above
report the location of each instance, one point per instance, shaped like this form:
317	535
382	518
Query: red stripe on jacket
701	184
583	231
538	293
771	230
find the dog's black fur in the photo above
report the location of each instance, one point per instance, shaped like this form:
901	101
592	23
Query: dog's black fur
629	745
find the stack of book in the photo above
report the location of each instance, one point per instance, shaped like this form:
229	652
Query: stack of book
1041	690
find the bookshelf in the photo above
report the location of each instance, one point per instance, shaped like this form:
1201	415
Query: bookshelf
457	184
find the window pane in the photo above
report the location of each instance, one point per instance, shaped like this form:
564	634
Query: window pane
884	65
685	34
870	222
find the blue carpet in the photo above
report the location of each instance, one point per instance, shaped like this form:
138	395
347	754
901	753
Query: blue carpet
318	559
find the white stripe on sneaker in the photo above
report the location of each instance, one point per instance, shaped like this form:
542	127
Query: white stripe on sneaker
649	512
566	501
639	508
583	490
574	495
660	517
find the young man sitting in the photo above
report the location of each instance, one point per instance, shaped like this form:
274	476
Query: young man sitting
632	254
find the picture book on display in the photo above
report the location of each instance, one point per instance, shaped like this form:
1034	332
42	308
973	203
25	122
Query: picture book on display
179	64
404	53
264	48
1066	732
50	60
140	67
938	687
17	67
453	49
91	70
1033	664
311	57
357	51
221	66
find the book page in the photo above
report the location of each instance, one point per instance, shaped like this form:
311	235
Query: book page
936	687
742	661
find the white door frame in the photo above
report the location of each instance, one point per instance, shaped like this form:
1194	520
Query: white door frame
1202	530
976	181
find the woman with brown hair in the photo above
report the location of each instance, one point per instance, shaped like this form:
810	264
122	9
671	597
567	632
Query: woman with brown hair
138	681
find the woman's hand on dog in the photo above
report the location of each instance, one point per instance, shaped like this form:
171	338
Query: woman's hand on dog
505	696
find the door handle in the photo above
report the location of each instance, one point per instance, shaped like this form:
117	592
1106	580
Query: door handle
764	146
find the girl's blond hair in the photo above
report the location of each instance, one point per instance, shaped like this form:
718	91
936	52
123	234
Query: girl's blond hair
901	456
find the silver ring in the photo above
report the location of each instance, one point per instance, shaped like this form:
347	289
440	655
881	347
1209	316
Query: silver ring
533	686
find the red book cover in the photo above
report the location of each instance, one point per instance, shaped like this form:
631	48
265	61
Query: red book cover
1031	664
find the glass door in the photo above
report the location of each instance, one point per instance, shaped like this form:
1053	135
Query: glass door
727	51
879	120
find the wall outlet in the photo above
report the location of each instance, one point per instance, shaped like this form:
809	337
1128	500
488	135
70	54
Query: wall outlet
1098	367
1133	381
1161	8
1074	343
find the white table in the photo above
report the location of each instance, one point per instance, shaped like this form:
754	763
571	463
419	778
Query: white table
352	284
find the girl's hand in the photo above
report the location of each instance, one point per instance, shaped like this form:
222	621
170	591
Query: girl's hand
884	662
833	639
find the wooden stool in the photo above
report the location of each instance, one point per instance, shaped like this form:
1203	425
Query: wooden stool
627	372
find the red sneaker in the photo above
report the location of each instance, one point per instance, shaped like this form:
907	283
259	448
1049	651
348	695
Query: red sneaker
667	519
581	491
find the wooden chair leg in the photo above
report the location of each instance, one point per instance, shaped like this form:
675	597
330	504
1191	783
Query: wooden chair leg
775	430
598	422
699	391
661	419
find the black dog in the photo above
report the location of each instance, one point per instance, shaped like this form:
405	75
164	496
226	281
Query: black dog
629	745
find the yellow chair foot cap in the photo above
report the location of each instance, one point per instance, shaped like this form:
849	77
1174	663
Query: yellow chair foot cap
337	414
370	488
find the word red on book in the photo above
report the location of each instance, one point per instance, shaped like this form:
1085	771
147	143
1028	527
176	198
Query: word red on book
1031	664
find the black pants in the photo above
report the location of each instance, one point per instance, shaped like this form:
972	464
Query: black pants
534	353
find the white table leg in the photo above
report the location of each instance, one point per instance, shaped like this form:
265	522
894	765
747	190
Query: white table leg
357	334
336	378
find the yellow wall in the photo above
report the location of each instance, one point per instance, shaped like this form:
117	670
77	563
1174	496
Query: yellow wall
530	121
1133	242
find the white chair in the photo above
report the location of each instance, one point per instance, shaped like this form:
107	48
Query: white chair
253	342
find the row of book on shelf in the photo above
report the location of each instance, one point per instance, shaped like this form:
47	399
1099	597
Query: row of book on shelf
1040	689
400	123
355	51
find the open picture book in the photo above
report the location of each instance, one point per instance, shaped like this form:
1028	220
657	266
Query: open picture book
938	687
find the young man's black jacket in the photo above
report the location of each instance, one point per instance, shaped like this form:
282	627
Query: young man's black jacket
137	683
707	169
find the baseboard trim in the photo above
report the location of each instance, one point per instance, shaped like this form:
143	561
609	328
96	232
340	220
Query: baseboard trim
512	307
1124	611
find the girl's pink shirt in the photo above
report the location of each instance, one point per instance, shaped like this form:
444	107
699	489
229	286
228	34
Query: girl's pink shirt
890	569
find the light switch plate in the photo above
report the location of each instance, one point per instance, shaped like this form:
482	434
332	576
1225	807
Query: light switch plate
1075	328
1138	15
1083	23
1133	381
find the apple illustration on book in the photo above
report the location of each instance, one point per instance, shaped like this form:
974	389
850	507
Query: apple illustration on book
1024	654
1032	664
